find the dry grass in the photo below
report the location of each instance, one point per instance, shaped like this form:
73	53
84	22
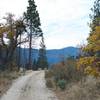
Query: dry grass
6	79
88	90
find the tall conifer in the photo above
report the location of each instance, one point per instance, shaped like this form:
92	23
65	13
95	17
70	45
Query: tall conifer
33	21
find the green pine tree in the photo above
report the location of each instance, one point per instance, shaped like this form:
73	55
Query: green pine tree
33	21
95	16
34	64
42	59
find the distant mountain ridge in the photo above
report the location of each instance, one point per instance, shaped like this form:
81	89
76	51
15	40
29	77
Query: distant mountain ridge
56	55
53	55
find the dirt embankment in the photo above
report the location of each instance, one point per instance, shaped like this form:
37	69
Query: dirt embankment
6	79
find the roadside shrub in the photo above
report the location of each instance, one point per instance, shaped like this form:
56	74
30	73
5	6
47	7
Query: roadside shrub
68	71
85	91
48	74
62	84
59	72
64	73
6	79
49	83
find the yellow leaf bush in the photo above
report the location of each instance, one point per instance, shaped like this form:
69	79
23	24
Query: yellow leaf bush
90	63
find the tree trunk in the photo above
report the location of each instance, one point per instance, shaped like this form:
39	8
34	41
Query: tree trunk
30	49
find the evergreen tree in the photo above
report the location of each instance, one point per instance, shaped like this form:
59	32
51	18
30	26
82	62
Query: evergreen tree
33	21
90	63
42	59
95	16
34	65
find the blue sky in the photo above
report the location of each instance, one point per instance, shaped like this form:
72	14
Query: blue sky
64	22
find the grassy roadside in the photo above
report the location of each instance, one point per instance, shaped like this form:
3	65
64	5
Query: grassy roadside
88	90
69	83
6	79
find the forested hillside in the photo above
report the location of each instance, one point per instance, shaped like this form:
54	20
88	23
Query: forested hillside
53	55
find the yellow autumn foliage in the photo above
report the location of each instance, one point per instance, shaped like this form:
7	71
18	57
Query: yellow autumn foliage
85	61
93	41
2	30
95	36
10	35
5	29
91	62
91	71
88	65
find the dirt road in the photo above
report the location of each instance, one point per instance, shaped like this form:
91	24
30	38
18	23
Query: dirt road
30	87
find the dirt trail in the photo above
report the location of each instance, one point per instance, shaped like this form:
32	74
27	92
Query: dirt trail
30	87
